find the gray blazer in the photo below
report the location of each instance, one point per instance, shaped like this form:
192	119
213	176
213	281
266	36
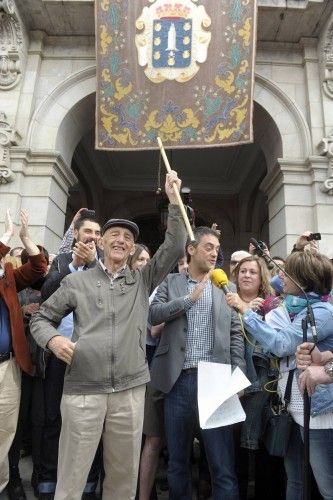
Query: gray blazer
168	307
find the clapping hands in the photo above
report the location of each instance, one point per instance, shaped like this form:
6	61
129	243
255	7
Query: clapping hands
9	228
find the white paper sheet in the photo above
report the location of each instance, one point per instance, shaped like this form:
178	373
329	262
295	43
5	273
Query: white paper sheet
218	402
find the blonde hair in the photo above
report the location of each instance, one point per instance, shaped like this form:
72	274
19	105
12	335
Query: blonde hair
265	288
14	261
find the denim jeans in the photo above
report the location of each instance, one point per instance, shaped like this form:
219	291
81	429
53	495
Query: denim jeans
321	460
180	414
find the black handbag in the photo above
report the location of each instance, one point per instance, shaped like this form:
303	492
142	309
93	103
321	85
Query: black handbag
278	424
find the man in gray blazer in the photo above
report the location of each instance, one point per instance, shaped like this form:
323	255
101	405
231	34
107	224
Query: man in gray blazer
199	326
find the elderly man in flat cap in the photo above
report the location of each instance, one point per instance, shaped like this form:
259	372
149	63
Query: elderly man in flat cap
107	369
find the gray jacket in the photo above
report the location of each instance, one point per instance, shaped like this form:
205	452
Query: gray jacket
168	307
110	319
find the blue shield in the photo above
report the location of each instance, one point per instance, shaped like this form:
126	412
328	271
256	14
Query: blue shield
172	43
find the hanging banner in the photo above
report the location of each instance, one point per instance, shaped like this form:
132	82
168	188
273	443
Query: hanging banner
183	71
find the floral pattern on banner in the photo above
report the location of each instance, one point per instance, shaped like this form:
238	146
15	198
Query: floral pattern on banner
142	94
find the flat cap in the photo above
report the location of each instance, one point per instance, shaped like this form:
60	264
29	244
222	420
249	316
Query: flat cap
122	223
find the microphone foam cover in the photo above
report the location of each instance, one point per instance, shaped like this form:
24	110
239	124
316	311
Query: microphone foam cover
219	278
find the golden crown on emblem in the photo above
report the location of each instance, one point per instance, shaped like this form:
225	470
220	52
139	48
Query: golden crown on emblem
173	10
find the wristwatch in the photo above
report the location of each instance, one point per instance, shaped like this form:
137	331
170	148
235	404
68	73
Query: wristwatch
328	367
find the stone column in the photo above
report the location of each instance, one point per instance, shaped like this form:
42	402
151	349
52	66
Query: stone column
297	203
322	171
314	101
28	87
42	181
325	52
290	209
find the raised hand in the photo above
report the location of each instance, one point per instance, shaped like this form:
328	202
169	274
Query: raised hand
24	225
171	179
84	253
302	240
314	247
198	291
77	215
252	248
9	229
214	227
28	244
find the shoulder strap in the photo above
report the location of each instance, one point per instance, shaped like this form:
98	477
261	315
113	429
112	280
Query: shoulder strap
287	392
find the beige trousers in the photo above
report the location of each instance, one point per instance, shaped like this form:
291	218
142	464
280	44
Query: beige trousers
10	392
118	418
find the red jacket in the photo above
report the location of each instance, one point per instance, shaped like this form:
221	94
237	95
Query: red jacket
14	281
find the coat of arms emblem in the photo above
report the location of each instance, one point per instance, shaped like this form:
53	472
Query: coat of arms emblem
174	39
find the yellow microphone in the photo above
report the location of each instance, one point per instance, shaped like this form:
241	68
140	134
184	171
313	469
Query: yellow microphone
220	279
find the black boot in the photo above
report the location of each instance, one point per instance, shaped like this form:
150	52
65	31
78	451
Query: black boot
15	490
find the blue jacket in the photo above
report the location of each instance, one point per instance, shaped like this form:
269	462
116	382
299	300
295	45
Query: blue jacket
284	342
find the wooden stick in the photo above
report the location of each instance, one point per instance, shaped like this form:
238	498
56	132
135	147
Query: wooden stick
177	193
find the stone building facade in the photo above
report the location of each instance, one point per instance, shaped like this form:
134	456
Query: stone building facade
273	189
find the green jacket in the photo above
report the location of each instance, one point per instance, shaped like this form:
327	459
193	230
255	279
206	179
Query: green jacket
110	319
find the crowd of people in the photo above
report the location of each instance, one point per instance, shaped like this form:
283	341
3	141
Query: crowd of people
99	353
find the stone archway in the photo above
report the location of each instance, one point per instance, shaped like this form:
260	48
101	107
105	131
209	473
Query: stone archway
57	123
65	116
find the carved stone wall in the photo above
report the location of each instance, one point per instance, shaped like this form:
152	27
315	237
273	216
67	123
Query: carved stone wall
11	45
328	62
325	148
8	137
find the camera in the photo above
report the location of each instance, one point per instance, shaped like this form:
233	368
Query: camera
262	245
261	248
314	236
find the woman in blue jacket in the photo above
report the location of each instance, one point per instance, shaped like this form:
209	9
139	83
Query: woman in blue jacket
280	336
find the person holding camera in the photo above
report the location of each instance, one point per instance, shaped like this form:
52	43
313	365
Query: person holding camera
262	251
309	240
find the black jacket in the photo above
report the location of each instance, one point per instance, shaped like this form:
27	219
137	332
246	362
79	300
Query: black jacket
58	270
